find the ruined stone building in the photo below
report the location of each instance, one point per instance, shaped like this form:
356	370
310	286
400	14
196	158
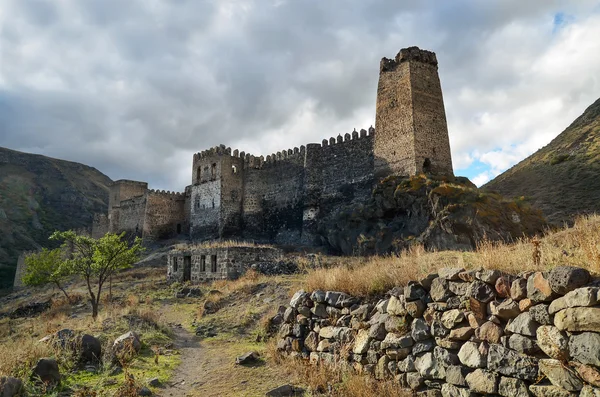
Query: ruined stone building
283	197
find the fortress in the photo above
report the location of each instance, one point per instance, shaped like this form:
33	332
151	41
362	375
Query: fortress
284	197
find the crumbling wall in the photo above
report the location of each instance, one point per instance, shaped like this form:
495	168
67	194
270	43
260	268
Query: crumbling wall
132	214
459	333
164	216
100	225
20	271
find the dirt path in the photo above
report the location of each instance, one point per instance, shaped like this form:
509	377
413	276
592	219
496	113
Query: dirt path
187	375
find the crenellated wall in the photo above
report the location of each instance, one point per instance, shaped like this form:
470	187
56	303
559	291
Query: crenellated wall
164	215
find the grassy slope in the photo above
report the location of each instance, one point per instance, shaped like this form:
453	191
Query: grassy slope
561	178
39	194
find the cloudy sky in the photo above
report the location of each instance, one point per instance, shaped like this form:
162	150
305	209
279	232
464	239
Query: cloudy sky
135	87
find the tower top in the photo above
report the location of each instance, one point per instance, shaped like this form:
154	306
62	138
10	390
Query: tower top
408	54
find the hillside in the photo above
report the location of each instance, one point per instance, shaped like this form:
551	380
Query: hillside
39	194
561	179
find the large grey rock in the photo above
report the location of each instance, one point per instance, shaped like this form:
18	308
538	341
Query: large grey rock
578	319
285	391
415	308
489	332
414	291
458	288
488	276
381	369
452	317
482	381
47	371
559	375
553	342
419	330
10	387
362	342
585	348
550	391
440	290
540	314
589	391
455	375
518	289
588	373
298	299
414	380
470	355
90	349
396	324
128	342
377	331
247	358
450	273
510	363
449	390
396	341
407	364
538	288
523	324
506	310
523	344
426	345
511	387
481	291
444	357
564	279
397	306
581	297
428	367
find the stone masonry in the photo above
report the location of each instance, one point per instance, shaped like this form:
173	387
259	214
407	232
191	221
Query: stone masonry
283	197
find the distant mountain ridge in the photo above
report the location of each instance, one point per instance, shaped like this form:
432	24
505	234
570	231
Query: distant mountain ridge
563	178
38	195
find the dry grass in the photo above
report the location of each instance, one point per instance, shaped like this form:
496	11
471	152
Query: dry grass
576	246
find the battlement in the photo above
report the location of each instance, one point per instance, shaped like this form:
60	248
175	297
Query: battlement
348	137
408	54
129	182
168	193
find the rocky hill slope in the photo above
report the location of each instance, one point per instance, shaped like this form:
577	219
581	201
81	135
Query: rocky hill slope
441	214
38	195
561	178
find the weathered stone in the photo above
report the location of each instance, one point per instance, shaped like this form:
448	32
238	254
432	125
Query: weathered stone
578	319
46	370
450	273
467	276
438	330
377	331
478	309
311	341
396	306
454	302
428	367
523	324
455	375
407	364
299	298
511	387
470	355
589	391
510	363
10	387
423	346
289	315
247	358
448	343
481	381
398	354
396	324
414	380
586	372
488	276
419	330
585	348
559	375
564	279
382	305
451	318
396	341
320	310
581	297
525	304
381	369
518	289
285	391
458	287
553	342
481	291
505	310
473	321
130	342
522	344
449	390
538	288
144	391
415	308
361	312
440	290
463	333
362	342
549	391
502	286
444	357
489	332
540	314
323	346
413	291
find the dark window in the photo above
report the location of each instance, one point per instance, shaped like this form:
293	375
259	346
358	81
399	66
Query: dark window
213	203
427	166
199	175
187	268
174	265
203	263
213	263
179	228
233	169
213	172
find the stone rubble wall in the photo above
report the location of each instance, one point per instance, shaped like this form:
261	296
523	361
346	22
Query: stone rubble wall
459	333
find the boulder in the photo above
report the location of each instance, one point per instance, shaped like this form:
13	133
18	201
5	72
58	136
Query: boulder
450	273
586	372
285	391
377	331
396	324
581	297
129	341
455	375
511	387
458	288
414	291
362	342
550	391
503	286
423	346
47	371
419	330
553	342
451	318
585	348
540	314
559	375
538	288
397	306
144	391
481	291
395	341
381	369
462	333
10	387
91	349
298	299
428	367
415	308
523	324
488	276
510	363
482	381
440	290
525	304
522	344
578	319
489	332
564	279
518	289
470	355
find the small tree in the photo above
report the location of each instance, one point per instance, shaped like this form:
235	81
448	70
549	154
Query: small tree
96	260
46	267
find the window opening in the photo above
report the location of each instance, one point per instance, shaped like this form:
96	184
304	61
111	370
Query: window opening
213	263
203	263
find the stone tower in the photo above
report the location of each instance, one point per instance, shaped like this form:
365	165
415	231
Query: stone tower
411	131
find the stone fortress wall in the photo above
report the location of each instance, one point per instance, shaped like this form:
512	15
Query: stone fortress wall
283	197
459	333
